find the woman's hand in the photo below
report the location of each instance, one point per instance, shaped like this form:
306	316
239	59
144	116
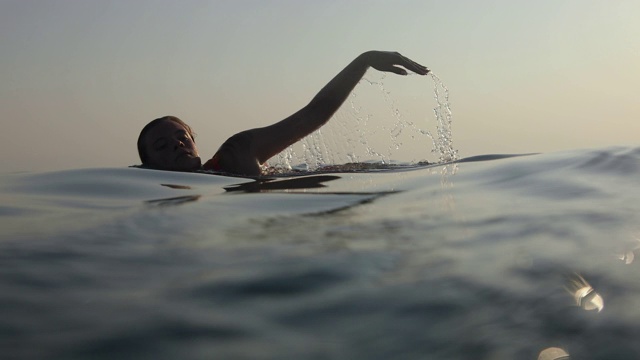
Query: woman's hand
390	61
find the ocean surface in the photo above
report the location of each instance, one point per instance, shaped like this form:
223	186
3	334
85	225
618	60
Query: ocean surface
490	257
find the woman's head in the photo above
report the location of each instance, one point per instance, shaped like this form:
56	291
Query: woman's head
167	143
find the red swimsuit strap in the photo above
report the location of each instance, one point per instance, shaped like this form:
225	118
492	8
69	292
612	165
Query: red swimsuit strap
213	163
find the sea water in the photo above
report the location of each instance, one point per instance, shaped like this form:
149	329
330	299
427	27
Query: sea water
491	257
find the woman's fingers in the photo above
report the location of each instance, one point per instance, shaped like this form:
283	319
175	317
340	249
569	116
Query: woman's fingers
390	62
395	69
413	66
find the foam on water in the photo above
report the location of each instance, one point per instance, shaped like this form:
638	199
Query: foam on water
494	257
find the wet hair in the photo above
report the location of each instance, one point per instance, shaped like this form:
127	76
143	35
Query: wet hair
142	149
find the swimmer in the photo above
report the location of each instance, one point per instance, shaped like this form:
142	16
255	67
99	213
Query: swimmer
167	143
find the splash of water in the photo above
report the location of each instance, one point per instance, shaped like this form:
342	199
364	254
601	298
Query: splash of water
351	128
443	143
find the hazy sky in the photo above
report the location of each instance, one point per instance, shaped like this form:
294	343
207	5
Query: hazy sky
80	78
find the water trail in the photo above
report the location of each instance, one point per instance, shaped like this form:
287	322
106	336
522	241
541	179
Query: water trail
443	144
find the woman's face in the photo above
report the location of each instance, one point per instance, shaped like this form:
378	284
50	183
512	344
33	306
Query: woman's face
170	147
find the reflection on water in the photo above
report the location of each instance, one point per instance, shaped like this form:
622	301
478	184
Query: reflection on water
627	257
446	182
178	200
267	184
629	254
553	353
173	186
584	295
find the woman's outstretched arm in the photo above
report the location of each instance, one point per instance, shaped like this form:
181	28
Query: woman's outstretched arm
260	144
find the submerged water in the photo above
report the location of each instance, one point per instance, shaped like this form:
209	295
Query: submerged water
493	257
